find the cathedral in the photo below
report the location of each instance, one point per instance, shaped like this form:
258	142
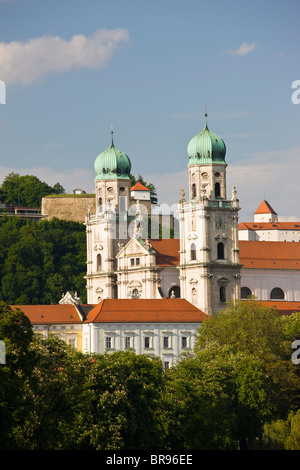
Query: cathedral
202	265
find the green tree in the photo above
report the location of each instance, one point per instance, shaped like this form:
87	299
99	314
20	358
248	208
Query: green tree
41	261
283	434
26	190
122	408
16	333
51	396
262	333
215	399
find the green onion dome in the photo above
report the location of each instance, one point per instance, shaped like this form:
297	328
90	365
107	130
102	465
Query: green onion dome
206	147
112	164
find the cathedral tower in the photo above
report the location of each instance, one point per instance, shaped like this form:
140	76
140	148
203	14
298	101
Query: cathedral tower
209	255
109	226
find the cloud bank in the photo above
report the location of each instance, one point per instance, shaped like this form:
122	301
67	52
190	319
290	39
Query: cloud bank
26	62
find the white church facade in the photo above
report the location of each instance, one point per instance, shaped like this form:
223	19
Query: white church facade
202	266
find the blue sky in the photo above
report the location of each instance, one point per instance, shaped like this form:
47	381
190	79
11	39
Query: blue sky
150	74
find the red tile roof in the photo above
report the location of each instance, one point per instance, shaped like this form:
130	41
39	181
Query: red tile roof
145	311
269	226
265	208
139	187
270	255
54	314
284	307
167	251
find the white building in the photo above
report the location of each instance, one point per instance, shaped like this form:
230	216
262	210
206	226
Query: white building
202	266
163	328
266	227
271	261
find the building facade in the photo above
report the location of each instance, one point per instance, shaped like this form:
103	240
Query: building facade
201	266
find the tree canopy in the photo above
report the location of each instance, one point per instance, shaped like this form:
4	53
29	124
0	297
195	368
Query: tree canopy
218	397
39	261
27	190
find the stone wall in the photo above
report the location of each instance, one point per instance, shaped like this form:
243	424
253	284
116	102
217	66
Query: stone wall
68	207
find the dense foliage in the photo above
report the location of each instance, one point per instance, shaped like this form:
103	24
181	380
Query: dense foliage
26	191
224	396
39	261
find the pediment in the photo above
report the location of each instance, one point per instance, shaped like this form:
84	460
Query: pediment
133	247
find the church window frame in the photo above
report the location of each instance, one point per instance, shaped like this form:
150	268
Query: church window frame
277	294
194	190
223	294
220	250
217	190
193	252
246	292
99	262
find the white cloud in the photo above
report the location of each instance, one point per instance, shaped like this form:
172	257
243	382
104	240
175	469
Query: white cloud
243	49
26	62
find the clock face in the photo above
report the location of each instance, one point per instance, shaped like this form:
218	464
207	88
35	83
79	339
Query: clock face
220	221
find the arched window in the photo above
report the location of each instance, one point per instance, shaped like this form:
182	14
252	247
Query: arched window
220	250
135	294
193	251
245	292
194	190
217	190
100	204
99	262
174	292
222	294
277	294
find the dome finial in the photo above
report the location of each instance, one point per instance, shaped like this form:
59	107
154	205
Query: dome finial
206	116
112	134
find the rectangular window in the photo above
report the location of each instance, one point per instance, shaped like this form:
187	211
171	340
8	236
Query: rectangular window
137	261
166	341
184	342
72	342
166	365
131	261
108	342
127	342
147	342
